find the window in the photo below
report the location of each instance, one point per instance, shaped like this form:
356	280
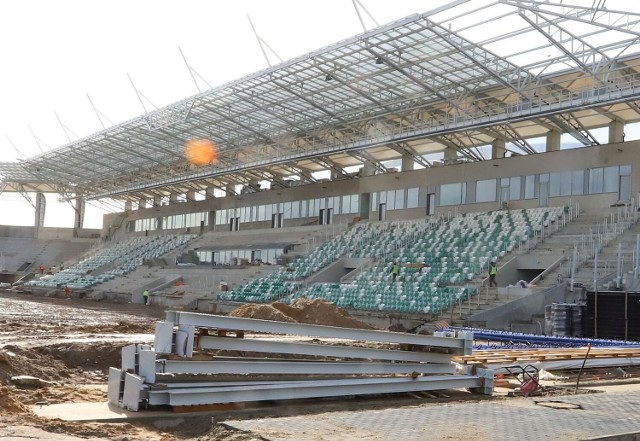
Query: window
596	179
391	198
355	203
452	194
577	182
346	204
486	190
399	199
295	209
529	187
514	188
611	181
412	197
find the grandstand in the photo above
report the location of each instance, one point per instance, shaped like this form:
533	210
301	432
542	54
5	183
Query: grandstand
439	140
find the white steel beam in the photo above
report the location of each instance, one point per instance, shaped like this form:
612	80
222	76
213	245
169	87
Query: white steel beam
460	345
312	389
279	347
299	367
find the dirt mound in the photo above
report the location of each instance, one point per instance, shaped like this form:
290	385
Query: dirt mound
60	362
8	403
263	312
315	312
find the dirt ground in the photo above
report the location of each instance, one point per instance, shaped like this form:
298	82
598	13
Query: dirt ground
70	344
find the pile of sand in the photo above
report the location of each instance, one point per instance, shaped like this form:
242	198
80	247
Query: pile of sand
263	312
316	312
9	403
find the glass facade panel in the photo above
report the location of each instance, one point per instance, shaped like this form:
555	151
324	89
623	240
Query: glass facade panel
391	197
486	190
400	200
529	187
514	188
412	197
555	184
611	179
596	180
451	194
577	182
355	203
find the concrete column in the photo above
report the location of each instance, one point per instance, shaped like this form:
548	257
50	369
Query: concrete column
127	205
616	131
209	192
191	195
368	169
450	155
498	148
333	174
553	141
407	162
41	205
157	201
173	198
79	209
142	203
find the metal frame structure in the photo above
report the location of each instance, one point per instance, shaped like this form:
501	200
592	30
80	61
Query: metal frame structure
444	79
155	375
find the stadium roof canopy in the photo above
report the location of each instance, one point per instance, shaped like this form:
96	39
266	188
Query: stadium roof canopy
455	77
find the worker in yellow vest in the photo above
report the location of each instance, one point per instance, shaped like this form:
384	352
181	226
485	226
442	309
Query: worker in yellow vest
493	272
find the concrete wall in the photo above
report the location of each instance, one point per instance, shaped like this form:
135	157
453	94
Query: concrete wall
427	180
48	233
527	304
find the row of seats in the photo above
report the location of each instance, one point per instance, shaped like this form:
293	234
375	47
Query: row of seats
438	260
113	261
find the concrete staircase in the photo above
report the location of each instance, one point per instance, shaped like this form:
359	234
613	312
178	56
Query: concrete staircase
588	232
557	243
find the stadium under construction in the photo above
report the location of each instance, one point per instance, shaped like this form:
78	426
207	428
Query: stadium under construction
385	174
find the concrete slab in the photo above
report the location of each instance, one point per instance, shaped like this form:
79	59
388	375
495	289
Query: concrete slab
103	412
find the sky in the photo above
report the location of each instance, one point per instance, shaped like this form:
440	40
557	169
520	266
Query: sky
56	53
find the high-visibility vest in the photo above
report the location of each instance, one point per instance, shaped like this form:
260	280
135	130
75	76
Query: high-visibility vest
145	293
395	269
493	270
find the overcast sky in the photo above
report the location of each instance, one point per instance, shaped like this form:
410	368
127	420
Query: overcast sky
54	53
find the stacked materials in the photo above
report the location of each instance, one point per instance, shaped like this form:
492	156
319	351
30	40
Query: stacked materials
201	359
563	319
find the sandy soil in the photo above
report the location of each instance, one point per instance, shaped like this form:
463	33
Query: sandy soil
70	344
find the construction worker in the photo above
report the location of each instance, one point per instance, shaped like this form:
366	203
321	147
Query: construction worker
61	266
493	272
42	268
67	292
145	294
395	270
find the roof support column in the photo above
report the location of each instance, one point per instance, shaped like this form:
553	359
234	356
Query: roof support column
553	140
79	209
368	168
128	206
157	201
173	198
41	204
450	155
209	192
191	195
142	203
407	162
616	131
498	148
